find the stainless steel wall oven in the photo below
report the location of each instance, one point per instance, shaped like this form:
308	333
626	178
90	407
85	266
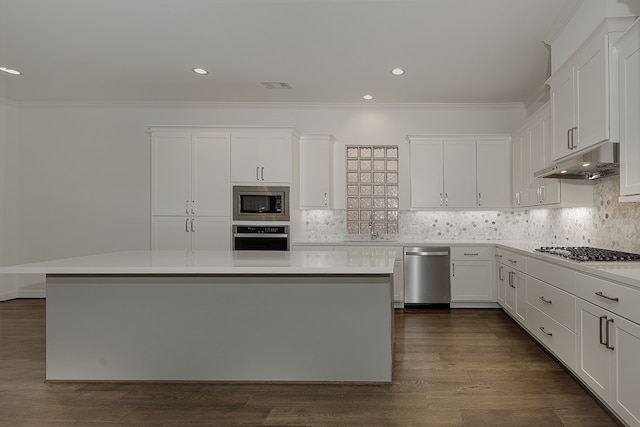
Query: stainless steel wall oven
260	238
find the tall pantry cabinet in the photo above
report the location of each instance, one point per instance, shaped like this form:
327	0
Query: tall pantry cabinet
190	190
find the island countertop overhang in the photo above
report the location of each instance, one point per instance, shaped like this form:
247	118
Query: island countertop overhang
350	262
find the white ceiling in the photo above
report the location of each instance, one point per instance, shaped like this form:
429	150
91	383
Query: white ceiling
331	51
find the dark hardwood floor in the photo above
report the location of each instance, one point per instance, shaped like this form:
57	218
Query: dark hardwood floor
452	368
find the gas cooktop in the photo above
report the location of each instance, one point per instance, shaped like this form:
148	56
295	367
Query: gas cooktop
586	253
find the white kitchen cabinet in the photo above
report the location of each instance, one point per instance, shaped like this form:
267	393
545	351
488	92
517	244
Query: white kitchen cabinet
521	177
584	94
472	274
493	172
316	171
426	165
261	157
190	173
531	148
608	348
515	284
542	191
190	233
449	172
627	53
460	179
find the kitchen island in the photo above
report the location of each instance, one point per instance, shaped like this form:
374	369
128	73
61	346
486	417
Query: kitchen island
219	316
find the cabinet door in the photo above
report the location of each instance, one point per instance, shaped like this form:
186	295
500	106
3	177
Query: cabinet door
316	160
245	158
520	283
494	173
625	370
628	50
592	95
501	277
211	234
472	281
593	357
542	191
211	187
426	163
171	173
460	174
521	169
276	159
562	112
170	233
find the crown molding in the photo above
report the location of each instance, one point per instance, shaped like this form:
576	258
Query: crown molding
275	105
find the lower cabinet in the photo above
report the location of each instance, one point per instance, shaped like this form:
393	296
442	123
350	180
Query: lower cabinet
190	233
472	275
556	337
608	349
515	296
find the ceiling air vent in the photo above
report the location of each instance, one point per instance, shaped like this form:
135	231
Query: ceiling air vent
276	85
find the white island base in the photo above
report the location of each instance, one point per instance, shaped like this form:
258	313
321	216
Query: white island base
220	327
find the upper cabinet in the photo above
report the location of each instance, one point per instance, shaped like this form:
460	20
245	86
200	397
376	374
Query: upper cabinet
262	156
457	172
584	94
190	173
493	173
627	50
316	171
531	148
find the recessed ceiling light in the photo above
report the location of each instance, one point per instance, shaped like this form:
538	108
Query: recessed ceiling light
367	97
200	71
397	71
10	71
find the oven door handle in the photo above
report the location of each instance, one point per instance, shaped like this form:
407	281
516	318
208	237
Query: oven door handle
265	235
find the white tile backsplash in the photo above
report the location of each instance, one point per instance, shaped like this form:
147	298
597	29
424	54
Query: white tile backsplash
608	224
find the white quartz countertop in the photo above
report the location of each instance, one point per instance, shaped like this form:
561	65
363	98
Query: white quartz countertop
623	272
217	262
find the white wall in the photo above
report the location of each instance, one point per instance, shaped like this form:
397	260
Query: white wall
587	17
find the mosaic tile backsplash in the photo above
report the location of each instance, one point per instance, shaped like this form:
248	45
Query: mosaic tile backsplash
608	224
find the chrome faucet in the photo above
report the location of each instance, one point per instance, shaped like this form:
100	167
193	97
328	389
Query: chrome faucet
374	235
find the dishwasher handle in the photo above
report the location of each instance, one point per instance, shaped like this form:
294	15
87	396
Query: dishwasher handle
427	253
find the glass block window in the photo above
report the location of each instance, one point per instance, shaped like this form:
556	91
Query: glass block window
372	189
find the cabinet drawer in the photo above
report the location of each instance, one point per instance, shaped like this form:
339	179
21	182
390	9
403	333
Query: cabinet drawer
554	302
511	259
556	275
472	253
618	299
560	340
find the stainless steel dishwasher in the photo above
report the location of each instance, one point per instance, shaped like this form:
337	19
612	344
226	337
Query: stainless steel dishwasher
426	276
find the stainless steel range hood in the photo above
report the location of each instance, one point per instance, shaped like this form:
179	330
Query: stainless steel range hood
597	163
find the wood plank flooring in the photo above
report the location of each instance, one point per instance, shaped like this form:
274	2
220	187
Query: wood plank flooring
452	368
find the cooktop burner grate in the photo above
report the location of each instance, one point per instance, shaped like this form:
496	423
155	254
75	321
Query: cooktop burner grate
586	253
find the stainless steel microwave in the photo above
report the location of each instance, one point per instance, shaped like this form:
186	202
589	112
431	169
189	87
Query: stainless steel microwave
260	203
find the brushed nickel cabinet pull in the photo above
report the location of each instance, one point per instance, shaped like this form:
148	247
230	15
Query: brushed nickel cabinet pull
500	277
186	209
257	173
543	299
192	228
600	294
545	332
262	172
608	345
471	254
186	225
603	342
